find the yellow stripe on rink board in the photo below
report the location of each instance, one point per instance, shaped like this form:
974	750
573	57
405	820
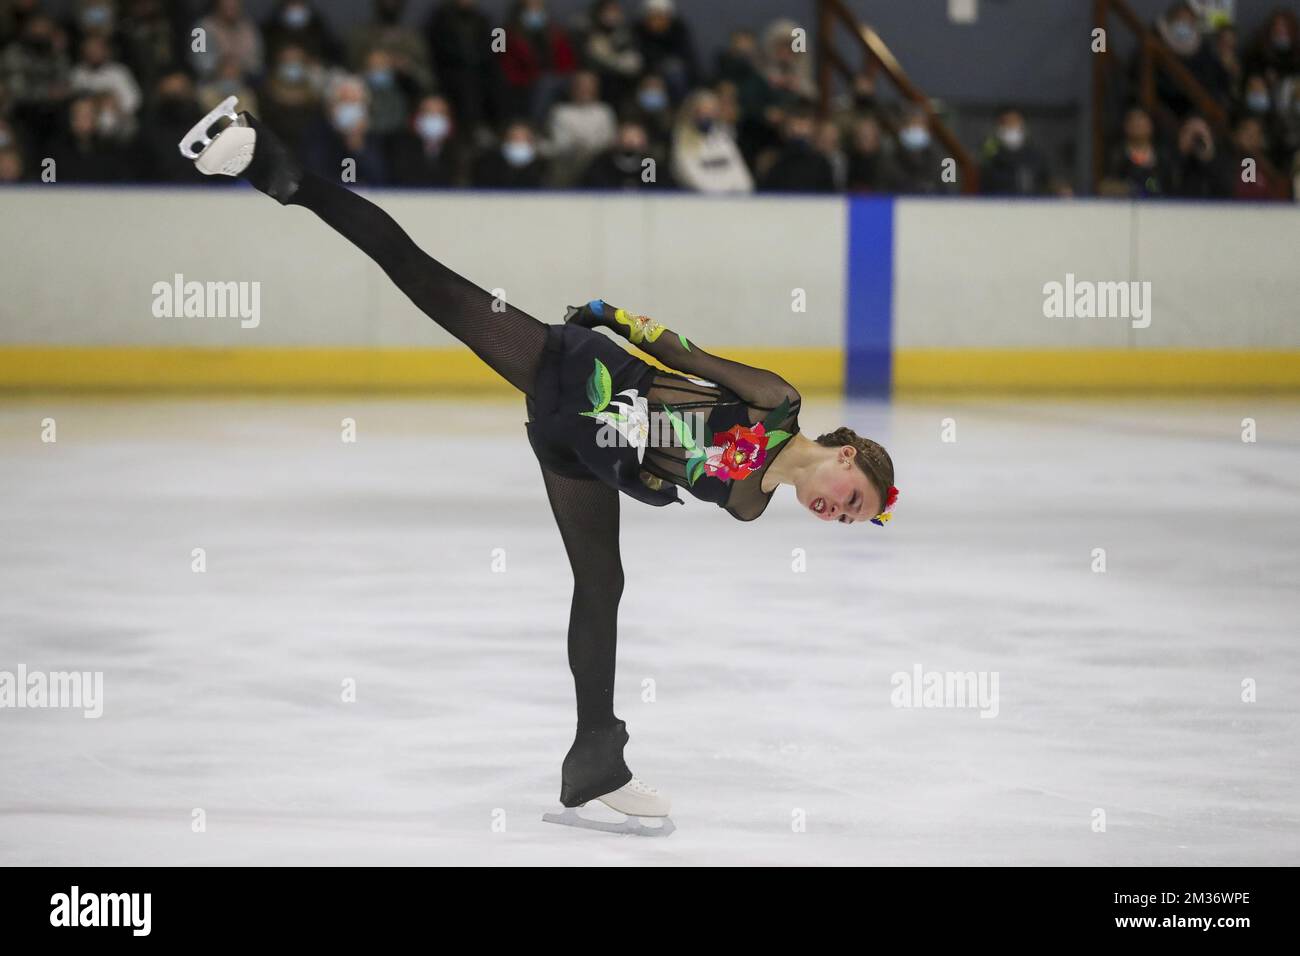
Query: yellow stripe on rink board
1119	370
312	369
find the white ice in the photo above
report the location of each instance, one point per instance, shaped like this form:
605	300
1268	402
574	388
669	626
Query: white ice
757	695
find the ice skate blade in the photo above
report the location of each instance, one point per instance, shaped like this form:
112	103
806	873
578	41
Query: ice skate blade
229	152
632	826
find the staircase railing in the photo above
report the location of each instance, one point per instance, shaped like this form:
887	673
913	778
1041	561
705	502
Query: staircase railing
878	58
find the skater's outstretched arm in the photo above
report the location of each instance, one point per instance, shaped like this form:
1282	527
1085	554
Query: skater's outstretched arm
758	387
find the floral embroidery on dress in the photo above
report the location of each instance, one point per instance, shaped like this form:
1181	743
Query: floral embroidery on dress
736	453
629	418
639	327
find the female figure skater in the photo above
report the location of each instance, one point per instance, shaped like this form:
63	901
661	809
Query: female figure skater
727	433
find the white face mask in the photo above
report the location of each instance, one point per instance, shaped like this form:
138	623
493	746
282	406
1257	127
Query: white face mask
1012	137
914	137
432	126
518	153
348	116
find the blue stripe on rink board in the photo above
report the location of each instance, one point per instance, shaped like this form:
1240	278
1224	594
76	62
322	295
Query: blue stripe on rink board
869	337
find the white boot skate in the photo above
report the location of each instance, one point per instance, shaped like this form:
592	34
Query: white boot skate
229	152
636	801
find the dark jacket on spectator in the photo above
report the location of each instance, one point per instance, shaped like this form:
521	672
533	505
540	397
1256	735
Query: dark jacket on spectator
1014	172
491	171
616	169
326	151
461	42
871	172
798	168
1143	179
414	163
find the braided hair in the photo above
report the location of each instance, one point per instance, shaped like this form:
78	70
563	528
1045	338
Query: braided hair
871	457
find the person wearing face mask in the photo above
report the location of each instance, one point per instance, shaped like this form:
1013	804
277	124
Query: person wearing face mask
666	45
298	23
1274	51
96	72
1250	141
402	43
85	152
623	166
1180	29
168	115
797	167
429	153
345	135
34	71
610	50
514	164
919	161
231	34
705	156
291	95
389	104
460	39
538	60
1013	166
651	107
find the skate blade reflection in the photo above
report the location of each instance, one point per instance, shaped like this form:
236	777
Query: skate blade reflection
630	826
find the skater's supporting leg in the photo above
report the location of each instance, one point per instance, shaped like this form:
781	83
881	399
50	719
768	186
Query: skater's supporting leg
586	512
508	340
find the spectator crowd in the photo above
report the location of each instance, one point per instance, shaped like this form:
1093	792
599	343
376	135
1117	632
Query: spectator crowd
617	100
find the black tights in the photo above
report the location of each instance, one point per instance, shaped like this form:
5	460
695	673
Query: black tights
586	511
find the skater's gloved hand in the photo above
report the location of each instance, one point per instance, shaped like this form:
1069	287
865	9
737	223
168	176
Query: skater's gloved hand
594	313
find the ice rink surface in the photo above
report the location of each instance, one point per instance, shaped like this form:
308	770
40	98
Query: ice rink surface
757	694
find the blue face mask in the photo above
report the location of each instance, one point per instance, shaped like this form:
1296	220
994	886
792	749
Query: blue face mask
348	116
292	72
380	79
518	153
95	17
295	18
432	126
1257	102
914	137
1183	32
534	19
652	100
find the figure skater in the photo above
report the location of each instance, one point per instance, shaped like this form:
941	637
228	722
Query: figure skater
600	421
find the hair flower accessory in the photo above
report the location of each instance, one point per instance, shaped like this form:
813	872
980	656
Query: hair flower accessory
884	516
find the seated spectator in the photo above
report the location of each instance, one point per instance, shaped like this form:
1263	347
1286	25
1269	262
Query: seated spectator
538	60
147	40
797	167
579	129
229	34
346	135
1198	170
460	39
298	23
514	164
96	73
1137	168
1250	179
788	71
35	74
1225	51
829	141
291	101
610	49
1013	166
429	153
653	109
174	111
389	106
82	154
705	156
623	166
665	43
871	170
406	49
1275	50
11	165
920	163
1180	28
228	80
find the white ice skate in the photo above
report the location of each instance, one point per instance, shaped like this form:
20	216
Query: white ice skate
635	801
229	152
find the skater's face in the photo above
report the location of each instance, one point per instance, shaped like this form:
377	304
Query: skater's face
838	490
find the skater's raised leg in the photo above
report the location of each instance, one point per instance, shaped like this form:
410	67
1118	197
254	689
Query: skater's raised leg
507	339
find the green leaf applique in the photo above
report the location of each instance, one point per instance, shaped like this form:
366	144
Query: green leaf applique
681	338
775	438
777	415
600	388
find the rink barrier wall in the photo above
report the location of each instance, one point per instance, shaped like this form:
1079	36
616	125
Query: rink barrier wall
904	296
